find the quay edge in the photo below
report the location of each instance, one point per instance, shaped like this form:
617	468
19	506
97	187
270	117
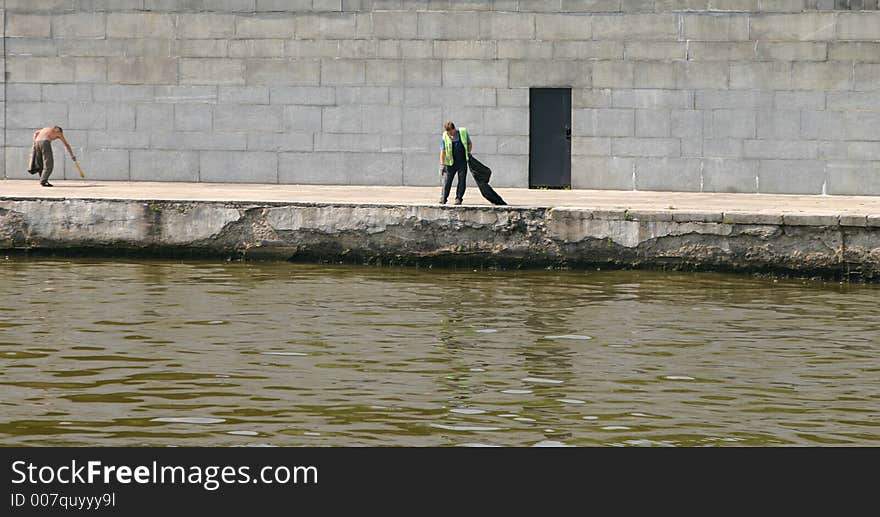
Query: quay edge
822	244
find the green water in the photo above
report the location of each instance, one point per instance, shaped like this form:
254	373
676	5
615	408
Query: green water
124	352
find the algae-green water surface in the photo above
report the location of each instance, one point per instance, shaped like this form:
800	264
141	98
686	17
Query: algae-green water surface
131	352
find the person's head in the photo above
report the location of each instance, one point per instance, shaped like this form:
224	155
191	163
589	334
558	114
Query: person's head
58	128
450	128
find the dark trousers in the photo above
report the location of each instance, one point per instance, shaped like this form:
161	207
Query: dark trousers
41	159
451	170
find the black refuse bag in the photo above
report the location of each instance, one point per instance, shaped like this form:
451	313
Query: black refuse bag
481	175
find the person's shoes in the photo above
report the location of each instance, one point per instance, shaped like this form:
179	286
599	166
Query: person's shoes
442	201
33	172
458	201
46	184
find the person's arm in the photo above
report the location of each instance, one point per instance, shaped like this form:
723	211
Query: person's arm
37	132
69	150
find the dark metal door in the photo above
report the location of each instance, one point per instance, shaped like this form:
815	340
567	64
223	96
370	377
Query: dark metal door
550	137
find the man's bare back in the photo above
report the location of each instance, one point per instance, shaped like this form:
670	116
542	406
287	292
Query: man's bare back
53	133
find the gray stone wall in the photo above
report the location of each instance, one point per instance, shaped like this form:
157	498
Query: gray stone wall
776	96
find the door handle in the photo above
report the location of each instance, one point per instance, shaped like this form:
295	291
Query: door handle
568	132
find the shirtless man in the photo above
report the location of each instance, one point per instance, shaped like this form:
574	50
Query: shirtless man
41	154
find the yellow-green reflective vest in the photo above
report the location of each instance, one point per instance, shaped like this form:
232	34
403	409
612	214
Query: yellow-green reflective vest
447	141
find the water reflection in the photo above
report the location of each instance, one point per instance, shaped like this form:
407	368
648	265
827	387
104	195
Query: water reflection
195	353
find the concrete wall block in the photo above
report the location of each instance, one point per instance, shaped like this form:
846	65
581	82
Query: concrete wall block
348	142
655	75
164	165
668	174
555	27
420	169
16	162
101	164
602	173
761	76
858	51
733	100
867	77
335	72
781	149
33	47
507	145
233	118
723	148
265	48
123	93
720	51
383	119
506	121
653	123
779	125
299	49
868	101
326	26
340	168
79	25
28	25
862	125
384	72
799	100
613	74
204	25
833	150
646	147
425	120
147	47
858	26
590	146
507	25
672	99
238	167
205	48
39	70
465	49
186	94
603	122
547	74
212	71
66	92
522	49
141	70
716	27
862	150
636	26
22	92
87	116
507	171
278	72
195	141
35	115
687	124
243	95
581	50
788	51
425	72
697	75
280	142
852	179
823	125
343	119
140	25
466	96
474	73
791	176
395	25
447	26
823	76
304	95
588	98
793	27
362	95
730	175
278	26
118	140
656	50
90	69
415	49
358	49
193	117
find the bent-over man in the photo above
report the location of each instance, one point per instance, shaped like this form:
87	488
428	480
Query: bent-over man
41	154
455	152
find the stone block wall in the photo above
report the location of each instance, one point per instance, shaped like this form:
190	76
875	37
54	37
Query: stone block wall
776	96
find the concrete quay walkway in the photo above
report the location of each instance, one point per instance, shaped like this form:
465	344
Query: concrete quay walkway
672	202
827	236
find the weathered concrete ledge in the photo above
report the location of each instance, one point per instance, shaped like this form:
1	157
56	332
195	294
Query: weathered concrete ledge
827	245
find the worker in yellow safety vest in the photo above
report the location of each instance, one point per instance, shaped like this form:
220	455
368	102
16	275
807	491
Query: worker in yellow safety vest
455	152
